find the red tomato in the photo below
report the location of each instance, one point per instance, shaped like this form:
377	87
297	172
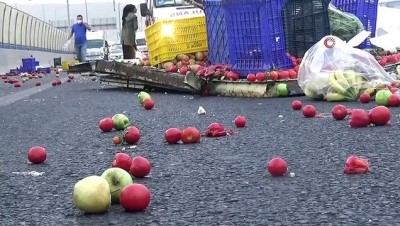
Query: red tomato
134	197
106	124
283	75
37	155
240	121
292	74
339	112
117	140
260	76
140	167
148	104
251	77
309	111
277	167
296	105
274	75
172	135
190	135
131	135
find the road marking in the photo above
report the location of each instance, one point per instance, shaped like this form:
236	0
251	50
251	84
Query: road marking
11	98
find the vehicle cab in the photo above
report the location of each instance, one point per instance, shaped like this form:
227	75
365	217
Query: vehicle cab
95	45
168	9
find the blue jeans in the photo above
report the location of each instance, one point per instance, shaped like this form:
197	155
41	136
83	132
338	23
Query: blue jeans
80	52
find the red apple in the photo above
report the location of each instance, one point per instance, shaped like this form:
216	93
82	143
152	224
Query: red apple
71	76
309	111
339	112
54	83
37	155
274	75
240	121
58	82
260	76
140	167
17	85
123	161
394	100
106	125
365	98
134	197
379	116
69	80
359	118
148	104
393	89
190	135
131	135
172	135
277	167
296	105
38	83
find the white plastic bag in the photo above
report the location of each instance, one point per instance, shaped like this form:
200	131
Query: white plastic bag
335	71
67	43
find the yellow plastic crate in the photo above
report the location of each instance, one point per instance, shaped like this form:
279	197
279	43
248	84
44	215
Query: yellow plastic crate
65	64
168	38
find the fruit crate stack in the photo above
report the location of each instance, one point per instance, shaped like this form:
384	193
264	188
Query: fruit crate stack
169	37
255	34
218	52
306	22
365	10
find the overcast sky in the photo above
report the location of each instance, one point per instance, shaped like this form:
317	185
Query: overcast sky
57	10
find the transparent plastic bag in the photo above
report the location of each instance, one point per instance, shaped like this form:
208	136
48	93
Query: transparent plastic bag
343	25
335	71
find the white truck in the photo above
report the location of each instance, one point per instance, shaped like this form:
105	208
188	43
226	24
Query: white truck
95	45
168	9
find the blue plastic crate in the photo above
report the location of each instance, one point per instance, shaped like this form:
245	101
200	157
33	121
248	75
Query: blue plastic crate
218	52
277	34
365	10
255	35
28	65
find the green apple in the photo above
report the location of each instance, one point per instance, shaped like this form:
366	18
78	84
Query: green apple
282	90
120	121
143	96
117	179
92	195
382	97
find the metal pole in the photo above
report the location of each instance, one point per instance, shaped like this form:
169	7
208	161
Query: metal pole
87	17
44	13
119	15
68	16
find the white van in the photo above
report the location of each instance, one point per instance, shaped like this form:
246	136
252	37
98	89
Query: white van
141	44
95	45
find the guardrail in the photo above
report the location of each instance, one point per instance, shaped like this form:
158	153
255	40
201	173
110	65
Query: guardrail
22	31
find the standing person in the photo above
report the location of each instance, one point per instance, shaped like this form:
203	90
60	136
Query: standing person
106	50
79	29
128	32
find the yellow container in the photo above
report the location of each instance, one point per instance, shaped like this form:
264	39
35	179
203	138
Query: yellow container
168	38
65	64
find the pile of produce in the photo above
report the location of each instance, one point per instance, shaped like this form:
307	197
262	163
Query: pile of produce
339	72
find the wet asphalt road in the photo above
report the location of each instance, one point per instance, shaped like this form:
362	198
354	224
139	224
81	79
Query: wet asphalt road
219	181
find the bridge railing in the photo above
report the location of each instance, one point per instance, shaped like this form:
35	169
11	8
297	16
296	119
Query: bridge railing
21	31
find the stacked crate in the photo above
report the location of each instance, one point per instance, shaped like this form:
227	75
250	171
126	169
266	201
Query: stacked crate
365	10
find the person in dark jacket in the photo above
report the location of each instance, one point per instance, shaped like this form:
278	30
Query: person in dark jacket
128	32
